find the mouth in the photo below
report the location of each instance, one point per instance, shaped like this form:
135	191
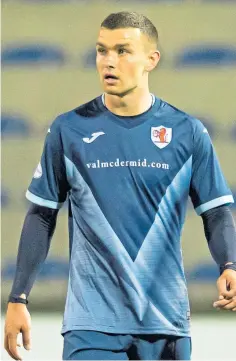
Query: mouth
110	78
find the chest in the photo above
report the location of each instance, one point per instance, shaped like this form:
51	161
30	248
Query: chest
141	158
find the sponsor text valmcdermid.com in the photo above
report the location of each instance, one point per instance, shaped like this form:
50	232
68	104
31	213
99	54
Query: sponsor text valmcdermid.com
127	163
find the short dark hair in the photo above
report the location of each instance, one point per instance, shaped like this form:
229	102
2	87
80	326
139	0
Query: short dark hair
127	19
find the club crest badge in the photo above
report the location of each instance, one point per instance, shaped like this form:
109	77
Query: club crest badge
161	136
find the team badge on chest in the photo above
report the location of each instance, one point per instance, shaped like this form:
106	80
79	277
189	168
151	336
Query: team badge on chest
161	136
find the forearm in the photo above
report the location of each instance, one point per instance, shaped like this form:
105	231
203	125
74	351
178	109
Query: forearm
38	229
220	233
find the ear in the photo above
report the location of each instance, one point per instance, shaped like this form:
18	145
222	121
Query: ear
153	59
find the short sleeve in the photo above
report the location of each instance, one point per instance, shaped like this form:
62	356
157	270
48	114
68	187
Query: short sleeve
208	187
49	186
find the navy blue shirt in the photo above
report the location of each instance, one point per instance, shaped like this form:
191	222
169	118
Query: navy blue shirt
128	181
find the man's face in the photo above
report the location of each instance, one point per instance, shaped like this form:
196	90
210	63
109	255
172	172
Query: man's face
123	54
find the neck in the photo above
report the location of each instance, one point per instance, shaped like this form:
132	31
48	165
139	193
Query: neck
135	103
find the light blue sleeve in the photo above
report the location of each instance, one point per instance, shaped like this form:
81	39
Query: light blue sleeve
208	188
49	184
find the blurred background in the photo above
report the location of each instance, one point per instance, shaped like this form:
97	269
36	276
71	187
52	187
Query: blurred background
48	68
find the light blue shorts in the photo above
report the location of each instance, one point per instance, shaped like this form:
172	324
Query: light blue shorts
93	345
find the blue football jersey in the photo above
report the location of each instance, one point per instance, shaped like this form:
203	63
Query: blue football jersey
128	180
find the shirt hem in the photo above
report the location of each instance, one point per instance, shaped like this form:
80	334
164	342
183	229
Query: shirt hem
42	202
115	330
227	199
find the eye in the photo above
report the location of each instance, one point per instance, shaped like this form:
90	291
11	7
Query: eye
101	50
122	51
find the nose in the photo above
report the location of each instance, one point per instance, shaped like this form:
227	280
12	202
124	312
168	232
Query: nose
110	60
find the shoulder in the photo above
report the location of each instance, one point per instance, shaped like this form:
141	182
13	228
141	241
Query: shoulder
178	114
91	109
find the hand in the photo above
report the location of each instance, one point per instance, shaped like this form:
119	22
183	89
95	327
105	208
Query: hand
17	321
226	285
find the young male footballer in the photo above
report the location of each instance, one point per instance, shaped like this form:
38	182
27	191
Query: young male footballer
128	161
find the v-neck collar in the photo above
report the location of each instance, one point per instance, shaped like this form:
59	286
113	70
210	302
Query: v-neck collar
135	120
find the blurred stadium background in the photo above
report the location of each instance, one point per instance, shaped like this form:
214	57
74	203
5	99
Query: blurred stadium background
48	67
